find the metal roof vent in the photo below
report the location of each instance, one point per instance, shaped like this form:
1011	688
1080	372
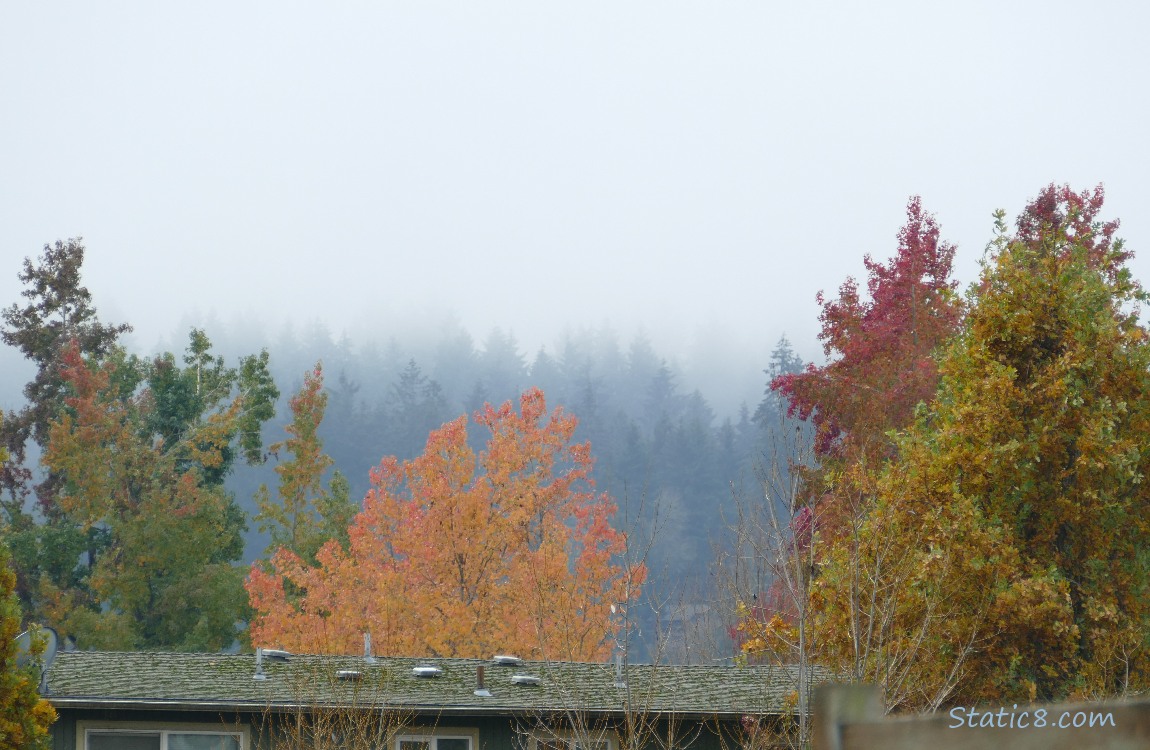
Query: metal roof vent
276	654
524	679
426	671
620	681
259	675
507	660
367	657
480	690
349	674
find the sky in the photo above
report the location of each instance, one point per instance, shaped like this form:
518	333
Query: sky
694	170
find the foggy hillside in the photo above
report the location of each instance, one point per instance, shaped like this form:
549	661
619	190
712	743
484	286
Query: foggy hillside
674	436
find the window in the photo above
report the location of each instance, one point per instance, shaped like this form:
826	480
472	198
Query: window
437	741
600	741
130	736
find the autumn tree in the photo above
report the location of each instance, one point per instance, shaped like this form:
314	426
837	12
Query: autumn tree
59	309
305	514
879	350
142	450
903	596
1018	494
1040	424
817	536
24	715
456	554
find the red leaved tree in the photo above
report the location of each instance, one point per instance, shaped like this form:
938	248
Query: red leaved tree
879	351
462	555
880	367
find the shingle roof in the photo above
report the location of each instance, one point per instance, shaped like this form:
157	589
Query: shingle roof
190	681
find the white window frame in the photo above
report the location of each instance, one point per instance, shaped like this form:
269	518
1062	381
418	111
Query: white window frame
162	728
570	739
433	734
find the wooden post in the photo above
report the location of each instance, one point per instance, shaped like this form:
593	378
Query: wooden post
836	705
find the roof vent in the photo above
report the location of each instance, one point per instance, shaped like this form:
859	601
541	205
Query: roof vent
426	671
259	675
507	660
349	674
480	690
276	654
367	657
620	681
524	679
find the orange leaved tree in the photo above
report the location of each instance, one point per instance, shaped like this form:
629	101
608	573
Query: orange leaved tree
455	554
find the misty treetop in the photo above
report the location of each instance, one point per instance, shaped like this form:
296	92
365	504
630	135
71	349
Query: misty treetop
458	552
151	467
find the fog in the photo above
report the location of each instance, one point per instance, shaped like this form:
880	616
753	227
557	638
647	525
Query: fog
651	193
696	172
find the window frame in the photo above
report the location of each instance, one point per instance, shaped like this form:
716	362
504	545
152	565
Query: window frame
423	734
568	739
163	728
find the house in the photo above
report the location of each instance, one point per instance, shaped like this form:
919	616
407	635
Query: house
175	701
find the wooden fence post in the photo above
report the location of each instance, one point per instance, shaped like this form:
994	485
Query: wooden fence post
836	705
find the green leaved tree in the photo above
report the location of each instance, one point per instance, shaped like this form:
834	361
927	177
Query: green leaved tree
306	514
142	450
58	309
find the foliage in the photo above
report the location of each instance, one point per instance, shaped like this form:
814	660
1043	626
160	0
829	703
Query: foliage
832	536
24	715
306	515
902	596
59	310
1017	503
455	555
879	350
142	478
1041	422
381	403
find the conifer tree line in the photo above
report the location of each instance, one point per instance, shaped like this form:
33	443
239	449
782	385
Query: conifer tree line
973	524
160	478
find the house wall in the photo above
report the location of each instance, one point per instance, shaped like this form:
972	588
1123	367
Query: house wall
64	731
492	732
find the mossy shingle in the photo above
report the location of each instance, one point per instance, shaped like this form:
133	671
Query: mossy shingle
227	680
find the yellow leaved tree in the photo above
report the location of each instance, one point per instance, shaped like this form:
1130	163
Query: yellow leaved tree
458	554
24	715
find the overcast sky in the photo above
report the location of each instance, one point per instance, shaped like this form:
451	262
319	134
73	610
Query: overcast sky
699	169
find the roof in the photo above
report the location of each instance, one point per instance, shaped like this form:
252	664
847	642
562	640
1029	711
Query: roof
222	681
